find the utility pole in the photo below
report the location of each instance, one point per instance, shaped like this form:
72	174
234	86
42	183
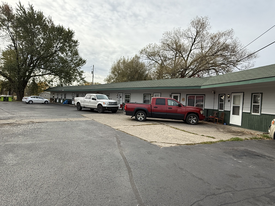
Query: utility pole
93	75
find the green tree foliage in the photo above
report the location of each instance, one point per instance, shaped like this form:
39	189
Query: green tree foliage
6	87
196	52
37	48
126	70
35	88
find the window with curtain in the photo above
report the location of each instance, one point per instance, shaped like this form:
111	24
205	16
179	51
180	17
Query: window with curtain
195	100
221	101
127	98
256	103
147	98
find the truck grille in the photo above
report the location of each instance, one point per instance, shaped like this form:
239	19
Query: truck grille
112	103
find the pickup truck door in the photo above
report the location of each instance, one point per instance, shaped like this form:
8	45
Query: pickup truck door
93	101
159	108
174	110
86	100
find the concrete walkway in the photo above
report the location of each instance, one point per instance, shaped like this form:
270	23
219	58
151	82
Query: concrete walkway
166	133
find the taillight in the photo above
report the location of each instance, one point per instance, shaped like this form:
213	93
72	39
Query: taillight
125	107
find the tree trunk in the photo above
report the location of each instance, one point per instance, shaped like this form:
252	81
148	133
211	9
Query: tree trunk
20	88
20	95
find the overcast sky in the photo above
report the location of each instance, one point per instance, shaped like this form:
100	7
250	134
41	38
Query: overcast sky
110	29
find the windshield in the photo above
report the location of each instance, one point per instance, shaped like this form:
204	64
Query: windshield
101	96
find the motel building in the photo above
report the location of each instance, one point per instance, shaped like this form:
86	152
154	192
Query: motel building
245	98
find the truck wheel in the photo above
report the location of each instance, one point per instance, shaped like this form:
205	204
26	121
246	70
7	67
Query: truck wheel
192	119
78	107
140	116
100	109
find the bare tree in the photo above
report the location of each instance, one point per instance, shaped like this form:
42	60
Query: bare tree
195	52
126	70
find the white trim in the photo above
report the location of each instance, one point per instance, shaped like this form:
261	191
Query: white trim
252	103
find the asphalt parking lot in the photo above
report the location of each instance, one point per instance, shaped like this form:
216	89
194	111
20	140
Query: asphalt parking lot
56	155
161	132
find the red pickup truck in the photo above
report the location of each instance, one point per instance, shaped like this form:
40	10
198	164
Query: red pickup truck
166	108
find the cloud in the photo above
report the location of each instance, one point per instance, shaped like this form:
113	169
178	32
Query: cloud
110	29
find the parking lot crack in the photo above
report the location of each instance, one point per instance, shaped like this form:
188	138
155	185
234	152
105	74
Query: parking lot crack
130	173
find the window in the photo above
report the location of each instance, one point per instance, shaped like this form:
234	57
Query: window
176	97
195	100
160	101
256	103
156	94
88	96
221	101
127	98
101	96
147	98
172	103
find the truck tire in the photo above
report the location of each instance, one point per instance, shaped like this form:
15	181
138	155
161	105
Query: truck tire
100	109
140	116
78	106
192	119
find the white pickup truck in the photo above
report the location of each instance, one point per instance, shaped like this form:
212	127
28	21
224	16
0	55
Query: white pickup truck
100	102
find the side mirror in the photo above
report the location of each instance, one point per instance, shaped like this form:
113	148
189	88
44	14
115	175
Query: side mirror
93	98
179	105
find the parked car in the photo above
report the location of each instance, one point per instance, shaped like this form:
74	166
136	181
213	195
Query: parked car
166	108
24	99
100	102
271	129
36	99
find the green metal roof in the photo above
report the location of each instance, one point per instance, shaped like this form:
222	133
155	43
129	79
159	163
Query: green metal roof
251	76
256	75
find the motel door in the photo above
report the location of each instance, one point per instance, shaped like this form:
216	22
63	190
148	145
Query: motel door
236	109
119	99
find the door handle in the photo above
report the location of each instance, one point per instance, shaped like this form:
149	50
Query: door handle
155	107
169	107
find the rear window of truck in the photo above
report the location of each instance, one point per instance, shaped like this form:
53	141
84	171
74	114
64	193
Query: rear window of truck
160	101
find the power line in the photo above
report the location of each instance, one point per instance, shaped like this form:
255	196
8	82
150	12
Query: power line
258	50
259	37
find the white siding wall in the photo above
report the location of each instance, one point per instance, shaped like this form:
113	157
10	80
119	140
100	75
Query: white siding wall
247	101
69	96
268	101
113	96
211	100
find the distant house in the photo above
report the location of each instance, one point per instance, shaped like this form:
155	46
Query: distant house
45	95
246	98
